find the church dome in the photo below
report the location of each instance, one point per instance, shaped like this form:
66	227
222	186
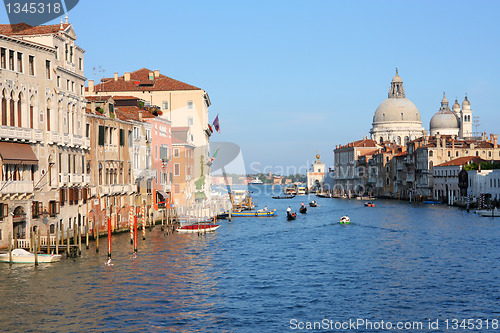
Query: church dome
396	109
444	119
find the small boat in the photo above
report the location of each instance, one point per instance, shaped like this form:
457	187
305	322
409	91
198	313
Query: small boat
431	202
303	210
284	197
369	204
258	213
301	190
197	228
256	181
20	256
313	204
488	212
291	216
222	216
345	220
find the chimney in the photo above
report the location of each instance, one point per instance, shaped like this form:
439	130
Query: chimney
116	76
140	115
157	73
91	86
127	76
495	139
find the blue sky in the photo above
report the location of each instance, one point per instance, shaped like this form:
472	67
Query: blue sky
289	78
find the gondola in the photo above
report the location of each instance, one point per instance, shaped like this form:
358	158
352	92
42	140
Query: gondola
369	204
313	204
303	210
291	216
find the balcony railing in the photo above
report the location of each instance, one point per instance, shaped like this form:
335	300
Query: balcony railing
12	187
21	134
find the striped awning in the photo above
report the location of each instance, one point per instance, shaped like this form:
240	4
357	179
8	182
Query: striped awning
17	153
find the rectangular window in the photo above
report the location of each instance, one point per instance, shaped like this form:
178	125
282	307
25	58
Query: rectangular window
176	152
71	53
164	152
47	69
58	82
122	137
190	104
11	60
67	84
190	121
66	52
53	208
3	58
57	52
4	210
130	139
36	209
165	105
101	135
19	62
80	64
177	169
72	86
31	61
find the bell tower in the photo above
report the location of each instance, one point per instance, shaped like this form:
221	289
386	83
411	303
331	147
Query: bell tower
465	120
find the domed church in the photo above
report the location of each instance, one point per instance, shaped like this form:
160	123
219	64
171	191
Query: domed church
396	119
457	122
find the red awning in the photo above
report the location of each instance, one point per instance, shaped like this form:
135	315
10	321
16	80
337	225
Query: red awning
17	153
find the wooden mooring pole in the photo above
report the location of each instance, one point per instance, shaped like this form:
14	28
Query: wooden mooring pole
109	237
135	234
48	241
10	248
87	234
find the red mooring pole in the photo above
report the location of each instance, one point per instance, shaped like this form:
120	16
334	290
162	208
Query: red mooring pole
109	237
135	234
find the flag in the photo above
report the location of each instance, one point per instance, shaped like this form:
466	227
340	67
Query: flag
216	124
215	155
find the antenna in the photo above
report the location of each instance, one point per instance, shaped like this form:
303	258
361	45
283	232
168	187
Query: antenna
476	125
99	72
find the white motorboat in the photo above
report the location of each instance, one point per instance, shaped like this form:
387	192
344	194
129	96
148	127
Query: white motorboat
20	256
345	220
488	212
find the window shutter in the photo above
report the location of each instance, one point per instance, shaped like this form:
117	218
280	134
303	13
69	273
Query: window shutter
5	210
40	207
34	206
122	137
58	208
101	135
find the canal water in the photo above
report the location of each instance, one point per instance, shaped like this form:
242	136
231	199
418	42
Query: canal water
395	262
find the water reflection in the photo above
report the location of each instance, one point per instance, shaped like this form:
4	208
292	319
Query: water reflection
395	261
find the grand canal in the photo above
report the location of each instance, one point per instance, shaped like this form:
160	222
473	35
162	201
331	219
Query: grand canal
395	262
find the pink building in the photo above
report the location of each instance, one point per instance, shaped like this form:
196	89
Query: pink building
161	144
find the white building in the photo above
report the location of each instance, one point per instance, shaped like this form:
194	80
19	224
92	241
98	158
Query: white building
316	177
43	183
483	182
396	119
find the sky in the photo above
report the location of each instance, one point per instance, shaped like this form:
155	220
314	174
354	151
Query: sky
290	78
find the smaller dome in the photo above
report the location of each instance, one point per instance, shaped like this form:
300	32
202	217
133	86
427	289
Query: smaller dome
397	78
444	119
456	106
465	103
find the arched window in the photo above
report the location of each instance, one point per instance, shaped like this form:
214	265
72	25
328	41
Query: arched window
19	110
12	121
381	139
32	101
48	114
4	109
399	139
402	117
406	139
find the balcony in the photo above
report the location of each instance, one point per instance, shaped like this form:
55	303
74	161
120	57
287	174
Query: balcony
21	134
86	179
63	179
75	178
77	140
13	187
66	139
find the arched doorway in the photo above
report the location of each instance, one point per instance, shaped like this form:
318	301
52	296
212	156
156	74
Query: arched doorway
19	223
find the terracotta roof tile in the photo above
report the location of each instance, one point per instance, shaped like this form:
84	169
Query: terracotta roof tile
462	161
140	78
97	98
26	29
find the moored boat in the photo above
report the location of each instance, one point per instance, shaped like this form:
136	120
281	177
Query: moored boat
197	228
488	212
253	213
345	220
20	256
